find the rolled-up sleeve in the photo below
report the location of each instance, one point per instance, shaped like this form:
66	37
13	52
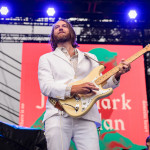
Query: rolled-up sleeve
111	82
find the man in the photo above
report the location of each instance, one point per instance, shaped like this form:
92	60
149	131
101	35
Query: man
148	143
56	71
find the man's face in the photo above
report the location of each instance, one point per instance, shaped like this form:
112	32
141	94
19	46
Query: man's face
148	144
61	32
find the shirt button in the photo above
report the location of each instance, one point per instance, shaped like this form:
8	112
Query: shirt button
75	77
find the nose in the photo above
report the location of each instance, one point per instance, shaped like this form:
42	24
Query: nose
60	29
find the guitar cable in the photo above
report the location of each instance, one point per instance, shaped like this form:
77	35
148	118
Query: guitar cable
61	113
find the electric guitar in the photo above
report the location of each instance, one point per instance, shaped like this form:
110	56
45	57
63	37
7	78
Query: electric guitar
80	104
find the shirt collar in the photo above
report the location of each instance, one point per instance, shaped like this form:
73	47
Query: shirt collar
64	50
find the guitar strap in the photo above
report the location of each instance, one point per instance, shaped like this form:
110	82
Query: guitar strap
89	57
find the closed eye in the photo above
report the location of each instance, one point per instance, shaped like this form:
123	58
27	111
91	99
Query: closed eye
57	26
64	25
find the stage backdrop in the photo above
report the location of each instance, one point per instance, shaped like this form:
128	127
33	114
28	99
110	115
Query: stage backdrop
124	114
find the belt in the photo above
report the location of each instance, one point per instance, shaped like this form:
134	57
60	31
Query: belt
55	103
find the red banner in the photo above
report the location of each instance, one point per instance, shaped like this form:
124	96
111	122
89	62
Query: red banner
124	111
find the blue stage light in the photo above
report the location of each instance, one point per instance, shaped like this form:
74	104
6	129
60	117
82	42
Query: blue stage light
50	11
4	10
132	14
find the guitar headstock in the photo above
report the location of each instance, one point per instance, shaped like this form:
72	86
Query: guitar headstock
147	47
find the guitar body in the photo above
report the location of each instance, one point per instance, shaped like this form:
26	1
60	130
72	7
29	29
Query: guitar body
79	105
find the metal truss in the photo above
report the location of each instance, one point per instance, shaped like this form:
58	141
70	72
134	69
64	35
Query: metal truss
93	30
76	21
88	35
20	38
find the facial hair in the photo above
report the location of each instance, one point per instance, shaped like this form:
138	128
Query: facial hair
61	38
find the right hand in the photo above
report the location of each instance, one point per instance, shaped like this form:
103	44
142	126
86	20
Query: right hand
85	88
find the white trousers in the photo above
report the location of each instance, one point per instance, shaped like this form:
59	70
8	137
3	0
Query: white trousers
60	130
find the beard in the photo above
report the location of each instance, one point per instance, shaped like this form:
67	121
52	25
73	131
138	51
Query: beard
61	38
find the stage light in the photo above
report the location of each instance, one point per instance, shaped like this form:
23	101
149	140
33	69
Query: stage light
50	11
132	14
4	10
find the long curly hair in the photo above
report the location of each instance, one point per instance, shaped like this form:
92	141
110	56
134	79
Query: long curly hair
72	35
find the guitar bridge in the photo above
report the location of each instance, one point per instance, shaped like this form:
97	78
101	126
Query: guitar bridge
77	107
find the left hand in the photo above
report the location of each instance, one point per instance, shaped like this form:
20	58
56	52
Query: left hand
123	69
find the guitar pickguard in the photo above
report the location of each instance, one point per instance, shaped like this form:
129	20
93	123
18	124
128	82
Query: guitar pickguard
86	100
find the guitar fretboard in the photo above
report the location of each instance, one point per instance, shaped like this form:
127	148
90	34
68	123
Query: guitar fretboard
107	75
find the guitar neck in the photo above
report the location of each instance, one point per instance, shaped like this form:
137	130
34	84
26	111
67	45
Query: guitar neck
107	75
